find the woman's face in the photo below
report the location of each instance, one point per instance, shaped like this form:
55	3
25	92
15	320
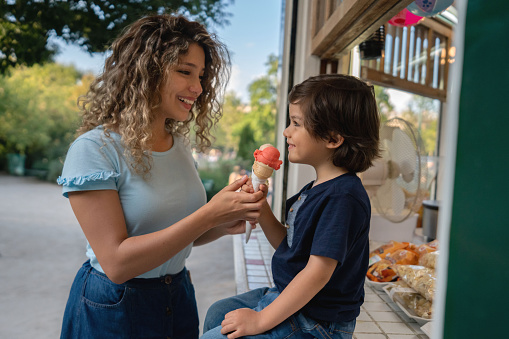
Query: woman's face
182	85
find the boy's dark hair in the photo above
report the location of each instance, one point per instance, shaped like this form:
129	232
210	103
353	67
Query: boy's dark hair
345	105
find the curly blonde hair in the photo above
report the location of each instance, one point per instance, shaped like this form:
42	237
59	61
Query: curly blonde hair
123	97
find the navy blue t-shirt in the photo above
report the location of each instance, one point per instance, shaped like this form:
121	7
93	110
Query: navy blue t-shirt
329	220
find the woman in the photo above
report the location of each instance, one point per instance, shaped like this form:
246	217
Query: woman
133	184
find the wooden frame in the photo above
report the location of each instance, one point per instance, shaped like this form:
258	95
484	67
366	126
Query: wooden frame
339	27
337	36
421	84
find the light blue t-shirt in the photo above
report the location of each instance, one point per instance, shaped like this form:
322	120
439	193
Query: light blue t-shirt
170	192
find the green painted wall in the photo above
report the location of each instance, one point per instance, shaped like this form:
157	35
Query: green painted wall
477	300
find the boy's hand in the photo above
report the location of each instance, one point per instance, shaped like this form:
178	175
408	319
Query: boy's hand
265	189
242	322
248	186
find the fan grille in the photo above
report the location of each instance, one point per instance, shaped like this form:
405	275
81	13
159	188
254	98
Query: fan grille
405	187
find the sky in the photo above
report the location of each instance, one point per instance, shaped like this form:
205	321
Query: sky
252	35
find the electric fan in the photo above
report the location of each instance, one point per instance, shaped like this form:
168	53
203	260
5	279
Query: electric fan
398	182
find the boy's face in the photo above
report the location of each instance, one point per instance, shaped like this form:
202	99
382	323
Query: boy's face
303	148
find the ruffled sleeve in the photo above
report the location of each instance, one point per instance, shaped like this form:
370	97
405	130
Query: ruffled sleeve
82	180
89	165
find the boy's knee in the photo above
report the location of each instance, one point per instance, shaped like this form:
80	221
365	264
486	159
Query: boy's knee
214	333
218	310
215	315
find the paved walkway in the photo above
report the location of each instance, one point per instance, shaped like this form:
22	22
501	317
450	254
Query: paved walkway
42	247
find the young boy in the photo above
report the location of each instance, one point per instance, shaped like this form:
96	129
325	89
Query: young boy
322	252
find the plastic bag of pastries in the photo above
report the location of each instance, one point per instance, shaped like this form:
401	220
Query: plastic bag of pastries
381	271
403	257
400	291
420	278
429	260
390	247
432	246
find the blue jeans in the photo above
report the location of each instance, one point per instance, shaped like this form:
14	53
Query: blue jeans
297	326
140	308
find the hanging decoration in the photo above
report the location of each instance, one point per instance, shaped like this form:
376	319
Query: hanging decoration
429	8
405	18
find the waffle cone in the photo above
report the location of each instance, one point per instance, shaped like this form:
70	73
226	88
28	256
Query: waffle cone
261	170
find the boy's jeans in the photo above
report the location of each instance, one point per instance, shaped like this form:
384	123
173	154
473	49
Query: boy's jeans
297	326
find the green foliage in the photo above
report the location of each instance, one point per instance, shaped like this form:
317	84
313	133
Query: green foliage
26	25
217	174
243	128
228	129
22	43
385	107
247	143
38	111
263	93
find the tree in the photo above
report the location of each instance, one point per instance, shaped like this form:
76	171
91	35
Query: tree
263	95
243	128
247	143
227	131
26	25
383	101
38	111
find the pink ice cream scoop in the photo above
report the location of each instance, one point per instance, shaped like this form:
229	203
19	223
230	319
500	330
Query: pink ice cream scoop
269	155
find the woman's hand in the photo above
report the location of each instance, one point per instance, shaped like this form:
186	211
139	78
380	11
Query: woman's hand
248	188
235	227
228	205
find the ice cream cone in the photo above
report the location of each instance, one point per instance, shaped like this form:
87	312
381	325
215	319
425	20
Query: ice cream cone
266	162
262	171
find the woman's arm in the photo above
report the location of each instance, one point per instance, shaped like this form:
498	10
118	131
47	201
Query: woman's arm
297	294
122	258
235	227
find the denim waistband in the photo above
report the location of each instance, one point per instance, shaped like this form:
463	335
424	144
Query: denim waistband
167	279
